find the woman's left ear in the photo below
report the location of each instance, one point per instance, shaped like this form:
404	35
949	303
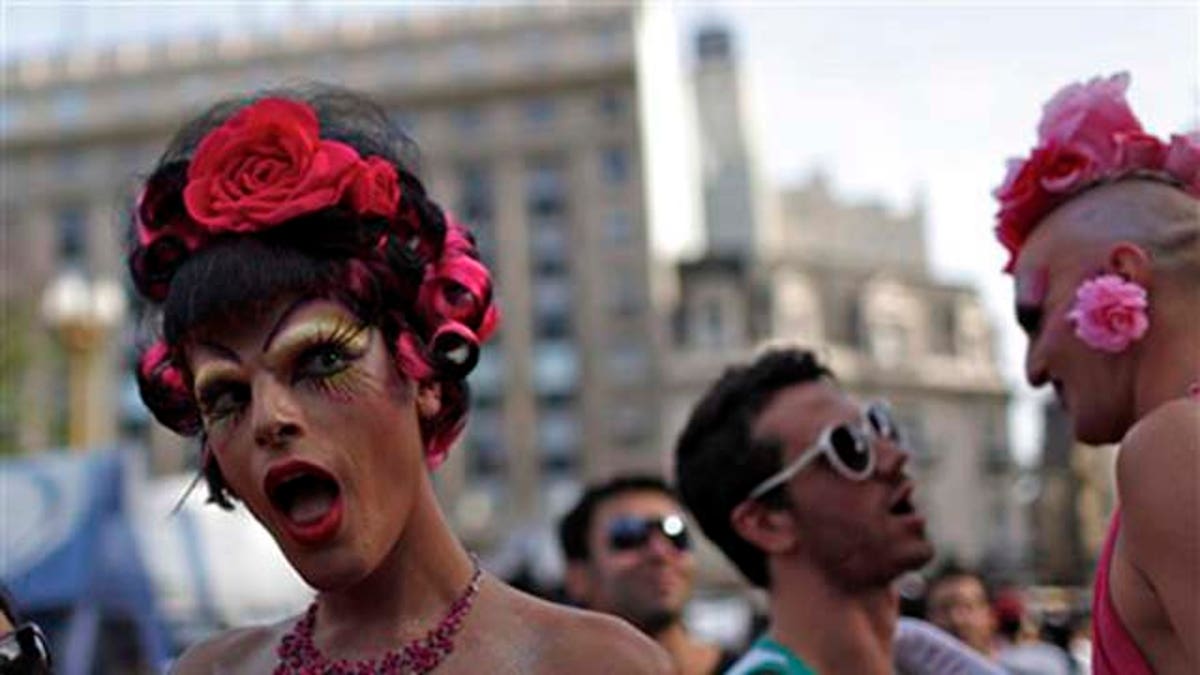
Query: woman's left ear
429	399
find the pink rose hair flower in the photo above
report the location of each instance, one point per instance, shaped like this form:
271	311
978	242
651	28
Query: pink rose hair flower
1088	135
1109	313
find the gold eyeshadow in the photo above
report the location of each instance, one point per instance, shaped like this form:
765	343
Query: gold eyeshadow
334	329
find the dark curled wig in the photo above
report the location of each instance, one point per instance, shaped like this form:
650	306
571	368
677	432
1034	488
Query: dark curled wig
415	275
717	459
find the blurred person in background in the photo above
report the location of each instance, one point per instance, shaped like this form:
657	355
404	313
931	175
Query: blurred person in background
960	602
1102	224
629	553
23	647
317	314
804	489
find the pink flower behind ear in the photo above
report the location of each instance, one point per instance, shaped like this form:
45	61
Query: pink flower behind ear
1109	313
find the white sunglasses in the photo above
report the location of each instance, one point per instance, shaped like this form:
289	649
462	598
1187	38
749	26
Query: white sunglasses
847	446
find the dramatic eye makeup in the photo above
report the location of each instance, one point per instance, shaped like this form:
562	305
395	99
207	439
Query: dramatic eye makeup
219	393
1031	295
323	352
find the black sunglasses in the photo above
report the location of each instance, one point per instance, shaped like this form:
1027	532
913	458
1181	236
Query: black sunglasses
24	650
626	533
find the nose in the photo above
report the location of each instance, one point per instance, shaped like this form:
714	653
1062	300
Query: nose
276	419
891	457
660	546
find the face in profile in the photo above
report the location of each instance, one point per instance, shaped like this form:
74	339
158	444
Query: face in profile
641	566
959	605
862	532
315	430
1093	387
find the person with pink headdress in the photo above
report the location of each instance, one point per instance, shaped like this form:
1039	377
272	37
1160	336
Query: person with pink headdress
1102	224
315	315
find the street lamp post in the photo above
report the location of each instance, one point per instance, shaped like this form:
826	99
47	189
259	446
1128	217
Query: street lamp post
82	313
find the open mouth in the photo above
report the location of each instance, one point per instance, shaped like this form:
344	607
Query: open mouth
305	498
903	505
308	497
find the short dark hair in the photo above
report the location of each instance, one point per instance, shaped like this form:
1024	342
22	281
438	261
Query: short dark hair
574	527
951	568
718	462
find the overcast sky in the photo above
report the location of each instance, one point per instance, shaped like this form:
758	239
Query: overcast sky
891	100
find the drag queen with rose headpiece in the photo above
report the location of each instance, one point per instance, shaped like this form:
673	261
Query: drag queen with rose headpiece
318	316
1102	223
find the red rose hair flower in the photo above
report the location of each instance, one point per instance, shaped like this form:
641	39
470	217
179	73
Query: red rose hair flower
1088	134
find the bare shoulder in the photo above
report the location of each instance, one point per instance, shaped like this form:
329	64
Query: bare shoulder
1157	469
579	641
233	651
1161	446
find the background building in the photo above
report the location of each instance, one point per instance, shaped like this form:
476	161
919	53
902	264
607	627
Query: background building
1074	499
532	131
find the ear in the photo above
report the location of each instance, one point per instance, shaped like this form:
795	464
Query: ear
429	399
1130	261
578	582
773	531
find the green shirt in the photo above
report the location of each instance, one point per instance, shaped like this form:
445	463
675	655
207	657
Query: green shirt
768	657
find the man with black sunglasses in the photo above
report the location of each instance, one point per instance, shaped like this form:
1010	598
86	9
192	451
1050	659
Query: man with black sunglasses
628	553
804	489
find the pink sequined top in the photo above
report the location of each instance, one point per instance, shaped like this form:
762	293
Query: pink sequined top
1113	649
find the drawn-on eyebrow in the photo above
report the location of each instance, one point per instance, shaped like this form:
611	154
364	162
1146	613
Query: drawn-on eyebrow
283	319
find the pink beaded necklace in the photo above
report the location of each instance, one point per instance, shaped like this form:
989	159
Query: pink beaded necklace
298	655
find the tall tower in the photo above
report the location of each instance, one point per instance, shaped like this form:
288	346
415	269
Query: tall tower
731	217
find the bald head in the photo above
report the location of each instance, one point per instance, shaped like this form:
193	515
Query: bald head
1161	219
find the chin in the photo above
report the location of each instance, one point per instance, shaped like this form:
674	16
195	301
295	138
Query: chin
1099	431
329	569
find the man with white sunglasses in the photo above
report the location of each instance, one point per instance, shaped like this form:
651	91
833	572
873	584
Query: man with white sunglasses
804	489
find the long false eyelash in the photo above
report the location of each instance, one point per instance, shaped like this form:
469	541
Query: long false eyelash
348	380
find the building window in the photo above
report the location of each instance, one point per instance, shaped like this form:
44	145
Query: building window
628	362
710	328
550	244
69	166
943	331
476	206
485	432
618	227
538	112
546	192
406	120
531	47
558	434
467	119
629	425
912	432
552	306
466	58
890	343
612	105
68	106
555	367
624	295
615	165
487	379
72	235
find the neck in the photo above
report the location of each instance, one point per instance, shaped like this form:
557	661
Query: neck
833	629
688	654
404	597
1169	362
